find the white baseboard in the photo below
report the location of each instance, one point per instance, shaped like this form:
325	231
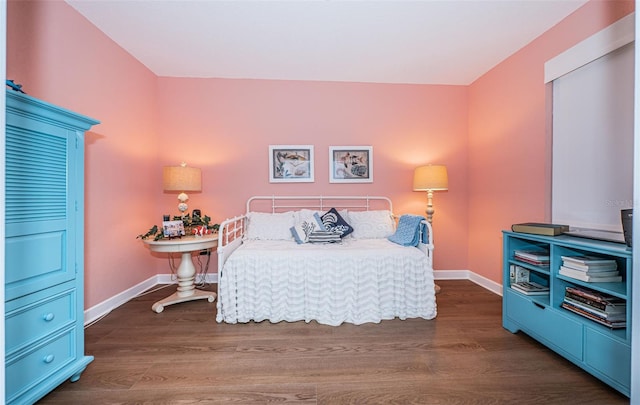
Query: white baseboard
468	275
486	283
451	274
98	311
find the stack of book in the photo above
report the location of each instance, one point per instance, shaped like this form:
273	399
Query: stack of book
590	269
604	309
530	288
535	257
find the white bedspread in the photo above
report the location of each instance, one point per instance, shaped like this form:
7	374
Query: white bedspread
356	281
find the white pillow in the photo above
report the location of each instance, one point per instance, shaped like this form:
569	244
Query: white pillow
303	214
376	224
305	226
267	226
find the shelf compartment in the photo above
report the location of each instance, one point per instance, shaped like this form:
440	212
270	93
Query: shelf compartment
615	289
532	267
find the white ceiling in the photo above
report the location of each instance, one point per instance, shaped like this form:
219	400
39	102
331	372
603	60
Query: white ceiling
427	42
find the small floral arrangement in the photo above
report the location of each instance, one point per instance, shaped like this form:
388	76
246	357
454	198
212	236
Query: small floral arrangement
193	225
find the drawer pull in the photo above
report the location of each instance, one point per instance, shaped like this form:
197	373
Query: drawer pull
538	305
49	358
49	317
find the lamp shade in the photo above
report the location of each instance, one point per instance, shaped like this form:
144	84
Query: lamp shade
430	177
181	178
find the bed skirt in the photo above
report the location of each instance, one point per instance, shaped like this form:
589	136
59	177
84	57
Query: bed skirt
357	281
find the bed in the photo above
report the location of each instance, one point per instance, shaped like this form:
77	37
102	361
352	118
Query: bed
268	271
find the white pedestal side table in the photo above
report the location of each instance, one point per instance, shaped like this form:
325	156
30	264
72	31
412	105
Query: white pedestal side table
186	270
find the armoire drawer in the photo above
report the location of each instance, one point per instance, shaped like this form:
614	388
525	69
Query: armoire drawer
31	322
31	367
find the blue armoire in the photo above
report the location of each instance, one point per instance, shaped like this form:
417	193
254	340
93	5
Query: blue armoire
44	247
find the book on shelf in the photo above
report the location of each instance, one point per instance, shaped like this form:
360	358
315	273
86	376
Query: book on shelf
605	322
593	295
611	316
538	228
591	268
541	263
588	261
582	276
605	273
518	274
611	306
535	257
530	288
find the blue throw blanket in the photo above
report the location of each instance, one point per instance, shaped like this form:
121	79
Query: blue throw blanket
408	231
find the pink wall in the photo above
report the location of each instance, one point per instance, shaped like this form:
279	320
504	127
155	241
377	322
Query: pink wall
491	135
226	126
509	164
60	58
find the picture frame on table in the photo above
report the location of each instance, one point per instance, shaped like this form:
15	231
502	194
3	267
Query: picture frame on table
173	229
351	164
291	164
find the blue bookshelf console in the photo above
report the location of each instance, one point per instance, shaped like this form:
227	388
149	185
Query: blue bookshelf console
44	247
602	351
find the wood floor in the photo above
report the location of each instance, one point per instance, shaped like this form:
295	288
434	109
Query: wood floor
464	356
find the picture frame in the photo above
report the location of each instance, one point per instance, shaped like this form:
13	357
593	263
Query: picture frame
291	164
173	229
351	164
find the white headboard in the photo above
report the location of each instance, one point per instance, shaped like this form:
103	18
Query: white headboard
275	204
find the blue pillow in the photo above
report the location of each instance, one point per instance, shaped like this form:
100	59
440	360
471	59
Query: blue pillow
333	222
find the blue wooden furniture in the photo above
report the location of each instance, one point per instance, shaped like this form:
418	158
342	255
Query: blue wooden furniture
44	247
602	351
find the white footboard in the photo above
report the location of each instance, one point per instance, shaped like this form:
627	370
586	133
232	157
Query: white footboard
229	238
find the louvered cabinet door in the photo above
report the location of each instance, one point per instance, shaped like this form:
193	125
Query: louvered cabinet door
41	197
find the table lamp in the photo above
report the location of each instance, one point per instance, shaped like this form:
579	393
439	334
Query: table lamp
181	178
430	178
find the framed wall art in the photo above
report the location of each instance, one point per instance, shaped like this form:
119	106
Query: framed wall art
351	164
291	163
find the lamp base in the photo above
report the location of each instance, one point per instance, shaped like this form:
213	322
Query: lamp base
182	206
430	209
